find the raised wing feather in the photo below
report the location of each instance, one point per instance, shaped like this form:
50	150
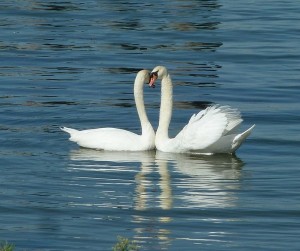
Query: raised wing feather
203	129
234	119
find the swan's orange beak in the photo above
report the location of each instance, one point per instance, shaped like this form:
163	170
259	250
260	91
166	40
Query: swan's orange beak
153	77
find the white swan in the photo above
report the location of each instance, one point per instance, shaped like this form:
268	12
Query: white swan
213	130
113	139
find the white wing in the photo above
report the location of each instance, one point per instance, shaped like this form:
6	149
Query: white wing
203	129
234	119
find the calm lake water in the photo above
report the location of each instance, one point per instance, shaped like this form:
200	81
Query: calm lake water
73	63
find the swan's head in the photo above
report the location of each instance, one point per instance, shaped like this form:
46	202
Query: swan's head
157	73
143	76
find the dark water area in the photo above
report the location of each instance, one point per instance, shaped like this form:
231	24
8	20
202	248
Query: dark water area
73	63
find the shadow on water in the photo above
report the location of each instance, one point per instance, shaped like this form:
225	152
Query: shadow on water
55	6
166	185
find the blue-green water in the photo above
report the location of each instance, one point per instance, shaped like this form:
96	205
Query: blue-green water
72	63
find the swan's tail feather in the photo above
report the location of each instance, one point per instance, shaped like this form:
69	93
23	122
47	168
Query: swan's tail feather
68	130
239	139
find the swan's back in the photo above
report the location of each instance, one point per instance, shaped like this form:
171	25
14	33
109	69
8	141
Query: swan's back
111	139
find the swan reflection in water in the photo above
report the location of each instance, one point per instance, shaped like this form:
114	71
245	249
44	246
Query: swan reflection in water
204	181
164	181
199	180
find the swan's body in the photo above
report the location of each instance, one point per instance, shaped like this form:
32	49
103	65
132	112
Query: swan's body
114	139
213	130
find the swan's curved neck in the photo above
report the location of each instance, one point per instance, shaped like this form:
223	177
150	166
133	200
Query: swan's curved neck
140	106
166	106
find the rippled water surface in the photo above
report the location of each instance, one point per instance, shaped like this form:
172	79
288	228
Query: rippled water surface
72	63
